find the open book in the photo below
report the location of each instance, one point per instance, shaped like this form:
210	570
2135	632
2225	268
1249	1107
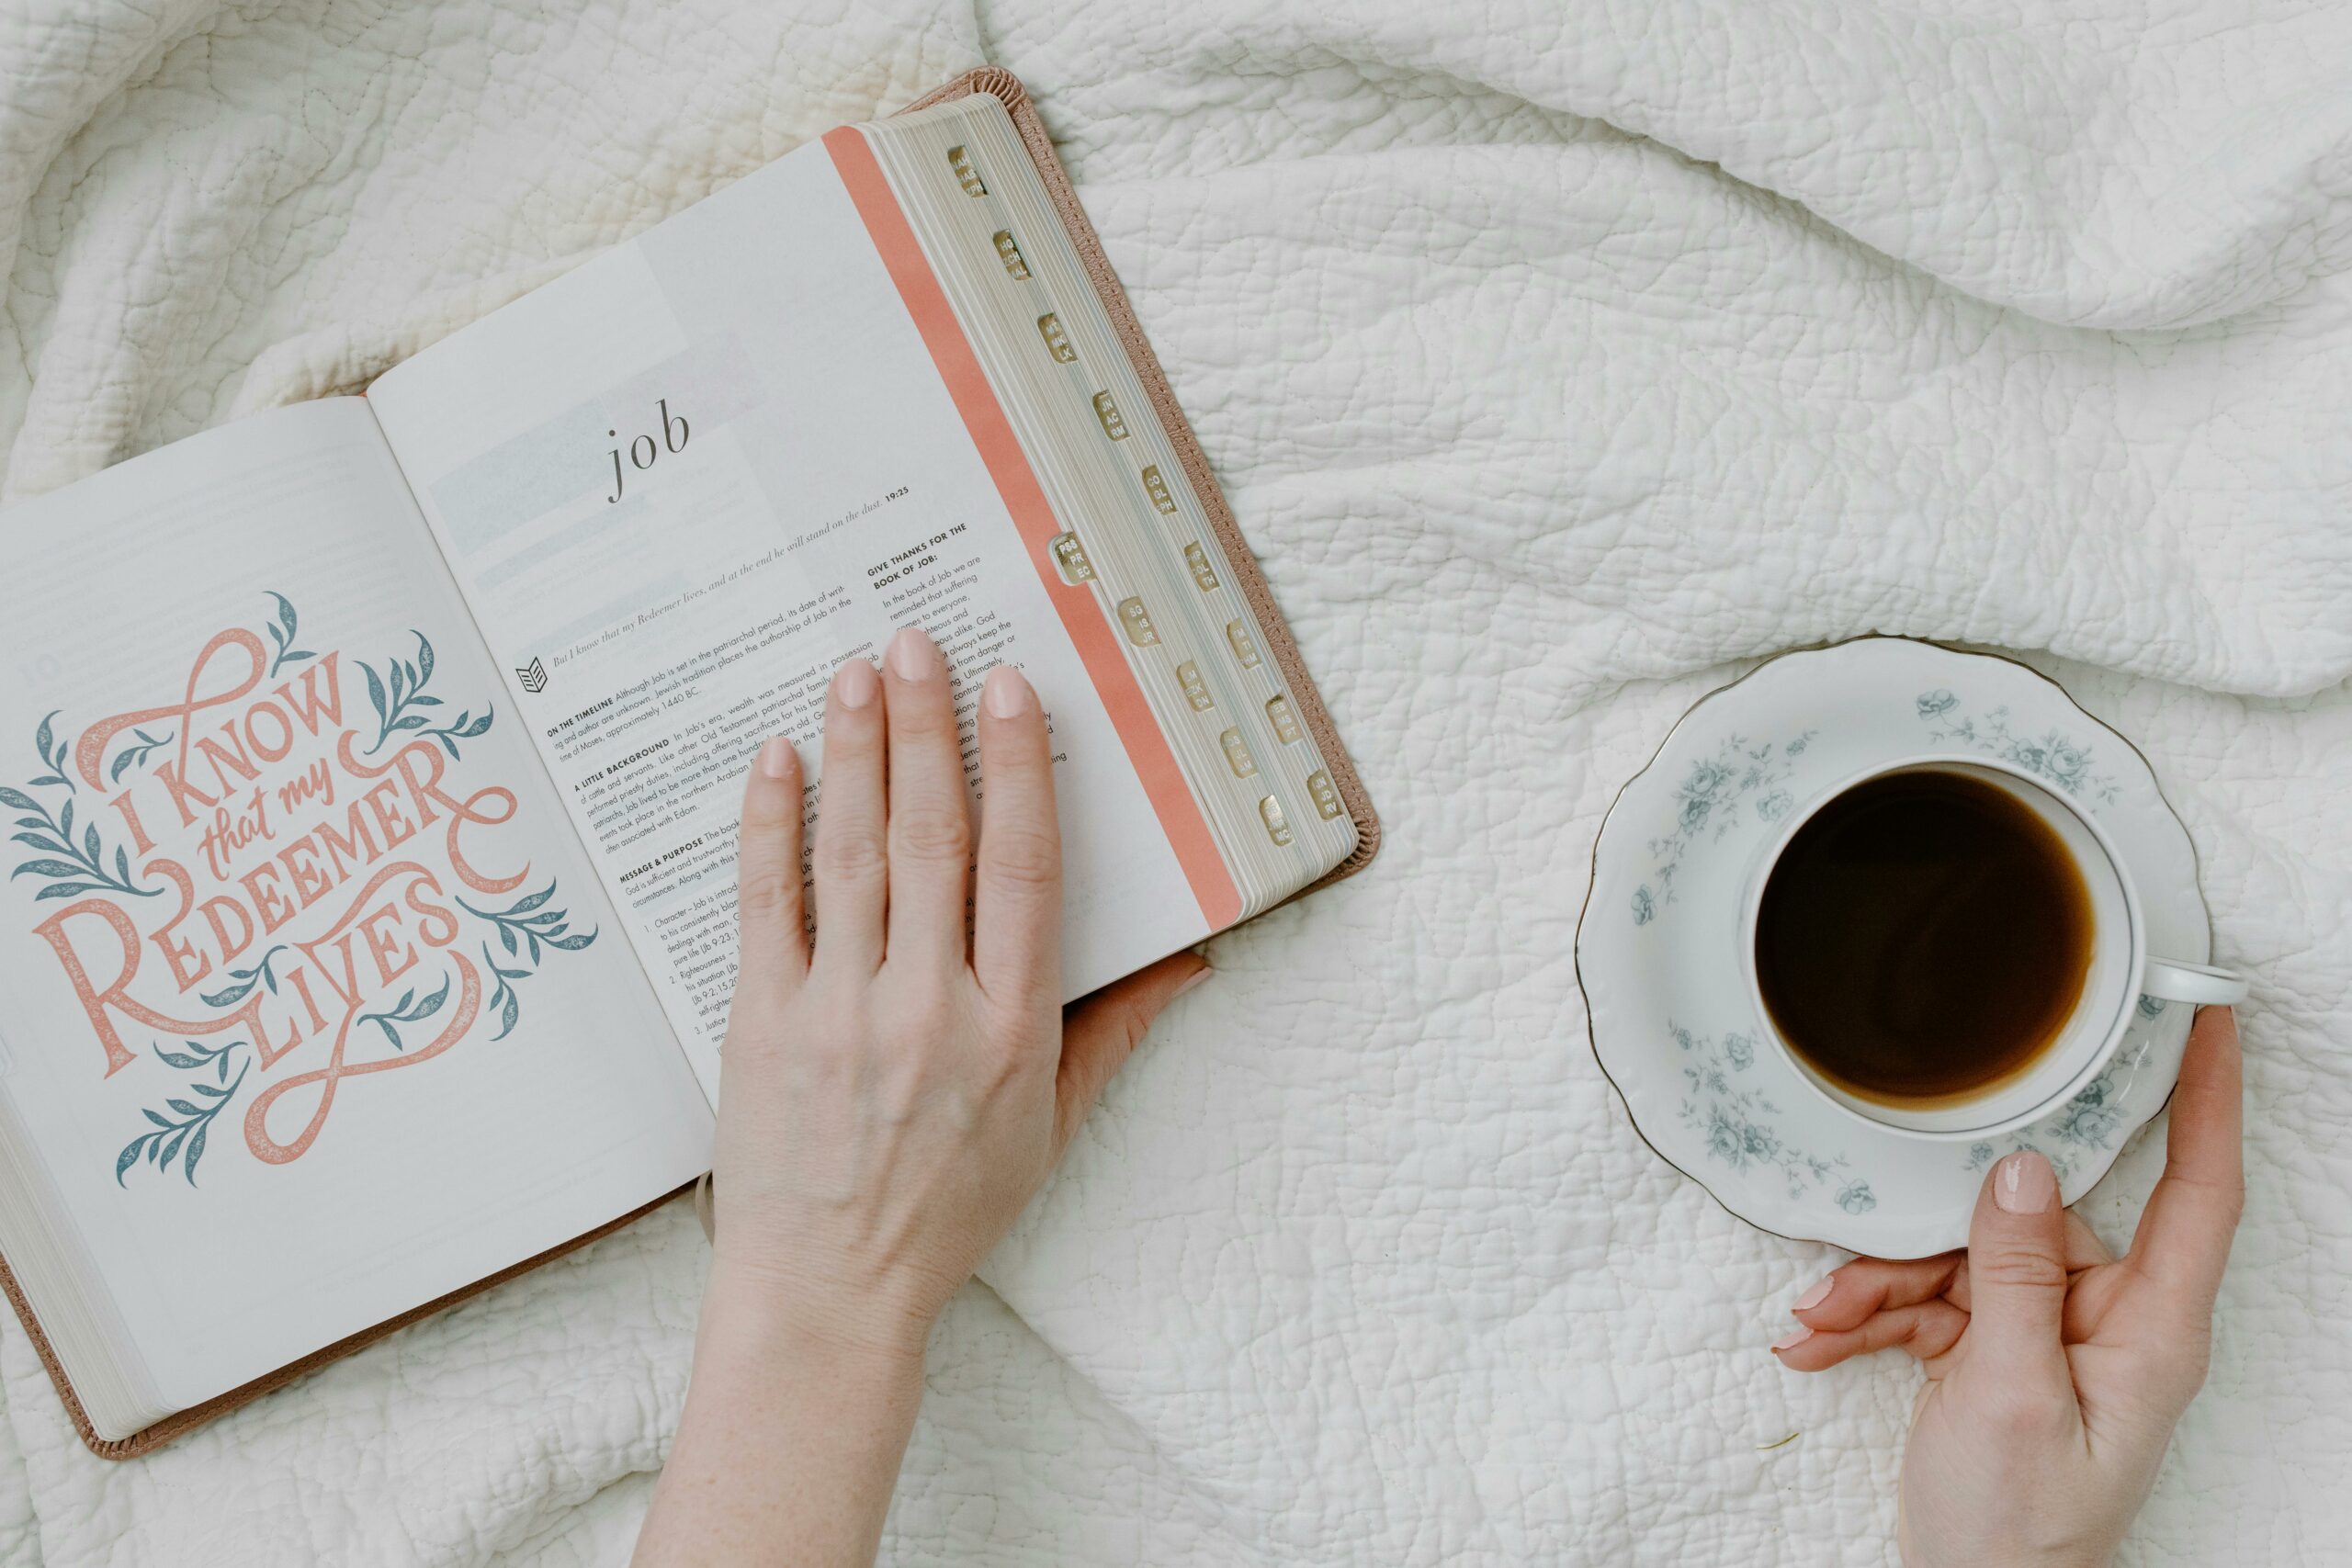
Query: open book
377	762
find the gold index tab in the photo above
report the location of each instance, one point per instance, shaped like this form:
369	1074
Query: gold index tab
1196	691
1071	556
1204	574
1160	498
1108	413
1285	722
1058	344
1010	253
1270	811
1137	620
1237	754
1245	646
965	174
1327	796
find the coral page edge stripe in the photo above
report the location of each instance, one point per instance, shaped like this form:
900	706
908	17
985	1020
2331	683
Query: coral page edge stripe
1024	499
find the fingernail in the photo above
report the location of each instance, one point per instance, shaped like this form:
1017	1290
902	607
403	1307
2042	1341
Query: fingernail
1194	978
911	654
1815	1296
1791	1339
1004	693
775	758
855	683
2024	1184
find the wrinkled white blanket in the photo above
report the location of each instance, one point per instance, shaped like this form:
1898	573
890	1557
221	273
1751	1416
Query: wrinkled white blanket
1558	360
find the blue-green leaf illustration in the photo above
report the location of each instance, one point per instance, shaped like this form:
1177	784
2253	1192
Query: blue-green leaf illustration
282	633
246	979
403	706
410	1008
524	927
182	1135
73	863
133	755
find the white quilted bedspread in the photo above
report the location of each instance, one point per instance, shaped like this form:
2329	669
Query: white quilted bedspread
1558	360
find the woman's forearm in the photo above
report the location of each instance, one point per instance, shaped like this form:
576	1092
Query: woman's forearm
790	1443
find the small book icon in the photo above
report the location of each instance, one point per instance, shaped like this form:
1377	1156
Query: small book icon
534	677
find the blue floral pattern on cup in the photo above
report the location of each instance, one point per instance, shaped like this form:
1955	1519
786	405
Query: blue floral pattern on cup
2053	757
2088	1123
1739	1123
1719	793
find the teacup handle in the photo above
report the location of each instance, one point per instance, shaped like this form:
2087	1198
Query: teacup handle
2177	982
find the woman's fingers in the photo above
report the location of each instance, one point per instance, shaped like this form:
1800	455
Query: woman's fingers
1927	1329
2183	1241
772	944
1847	1296
1016	930
931	814
852	865
1851	1295
2083	1250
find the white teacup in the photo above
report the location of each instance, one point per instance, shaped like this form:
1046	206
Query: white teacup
2121	970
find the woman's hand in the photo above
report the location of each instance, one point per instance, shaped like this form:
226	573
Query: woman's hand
2055	1370
888	1102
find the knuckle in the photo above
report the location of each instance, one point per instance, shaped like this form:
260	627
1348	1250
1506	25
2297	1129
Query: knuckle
853	856
2016	1268
932	834
763	894
1025	858
921	719
928	1016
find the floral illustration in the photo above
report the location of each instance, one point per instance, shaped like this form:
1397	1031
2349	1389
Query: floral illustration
1737	1121
243	980
410	1008
2053	756
2089	1123
282	636
136	754
244	798
399	694
181	1135
1708	802
524	927
70	865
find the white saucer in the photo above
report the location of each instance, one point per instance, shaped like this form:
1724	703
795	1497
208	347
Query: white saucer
1657	944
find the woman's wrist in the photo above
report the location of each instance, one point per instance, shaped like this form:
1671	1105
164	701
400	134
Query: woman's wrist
755	1314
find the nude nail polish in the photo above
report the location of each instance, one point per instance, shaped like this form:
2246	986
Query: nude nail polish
855	683
775	758
1004	694
2024	1184
1815	1296
1790	1341
911	656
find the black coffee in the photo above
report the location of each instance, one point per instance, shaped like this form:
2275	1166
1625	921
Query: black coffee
1923	937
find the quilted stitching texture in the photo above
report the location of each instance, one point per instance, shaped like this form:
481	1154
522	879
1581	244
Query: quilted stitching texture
1558	361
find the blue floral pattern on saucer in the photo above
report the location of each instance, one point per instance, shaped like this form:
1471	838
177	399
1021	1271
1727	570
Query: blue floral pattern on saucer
1708	801
2054	756
1673	1024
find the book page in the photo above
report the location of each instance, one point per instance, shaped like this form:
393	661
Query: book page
314	1010
681	484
